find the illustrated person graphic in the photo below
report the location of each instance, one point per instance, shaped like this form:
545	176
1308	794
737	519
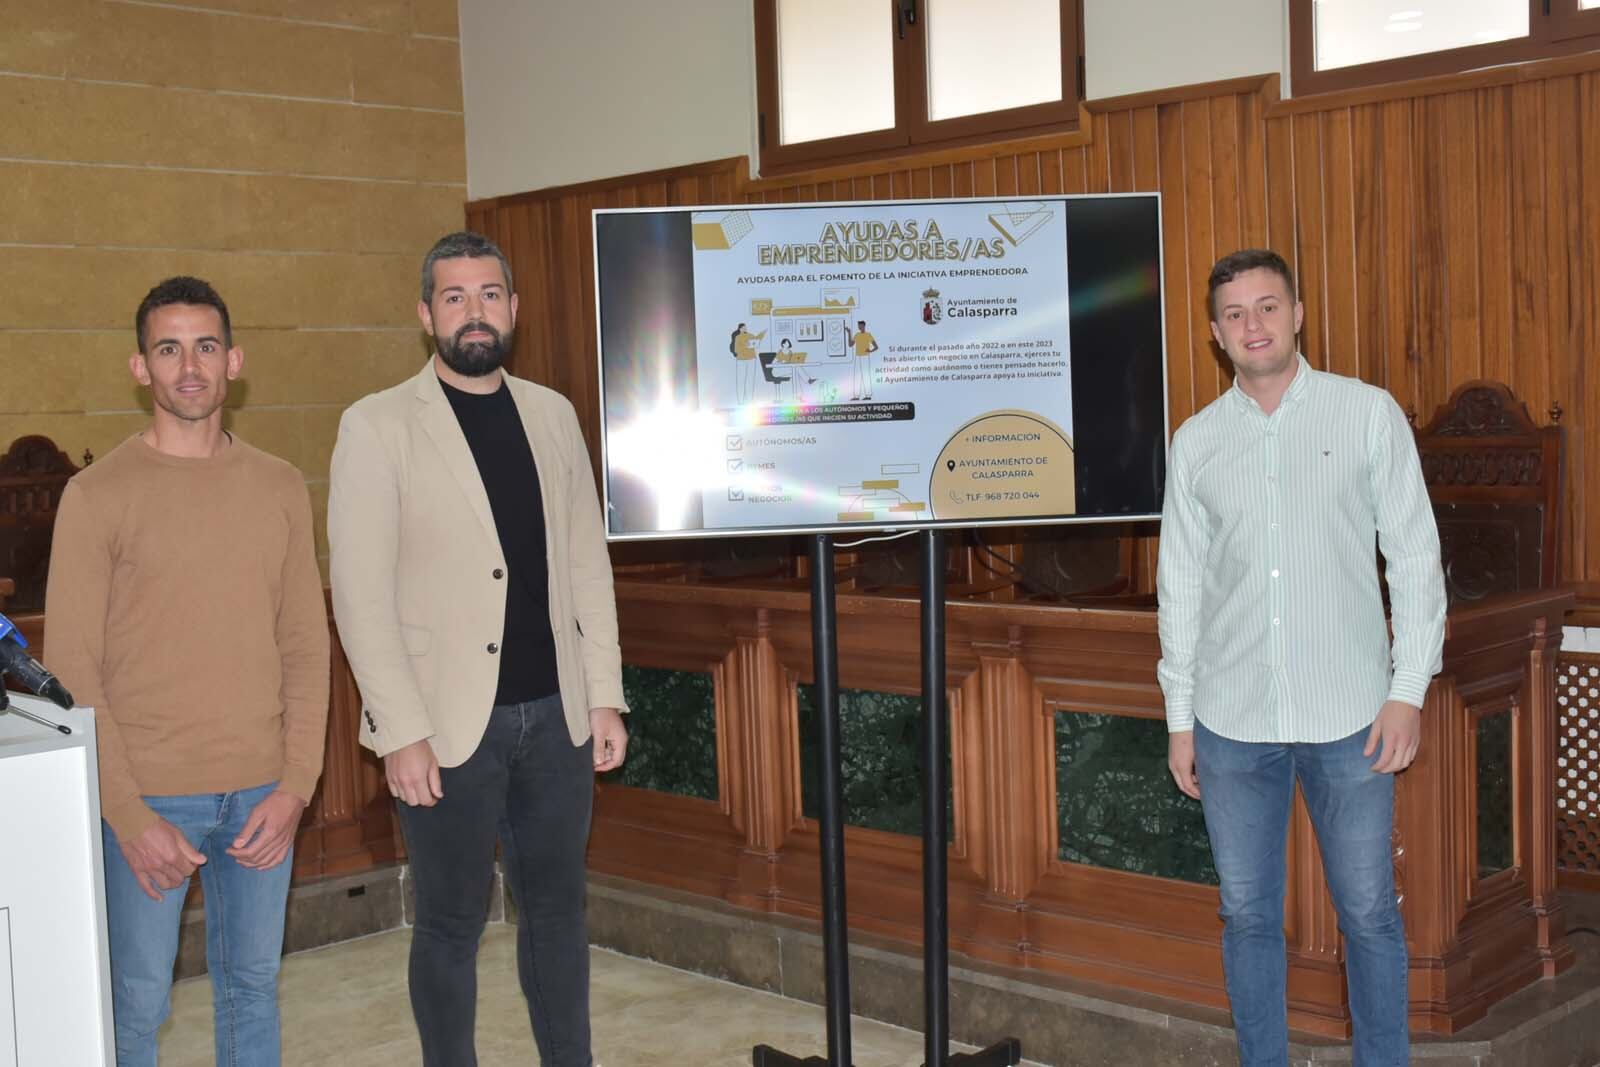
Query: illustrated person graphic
797	368
746	370
864	344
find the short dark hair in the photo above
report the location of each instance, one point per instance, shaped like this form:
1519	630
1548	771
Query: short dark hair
181	289
1231	266
463	244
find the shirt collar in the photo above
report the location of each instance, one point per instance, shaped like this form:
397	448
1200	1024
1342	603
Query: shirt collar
1292	395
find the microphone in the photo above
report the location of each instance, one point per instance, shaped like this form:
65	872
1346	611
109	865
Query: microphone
28	672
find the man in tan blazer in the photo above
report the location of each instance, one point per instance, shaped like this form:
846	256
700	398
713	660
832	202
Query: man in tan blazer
472	589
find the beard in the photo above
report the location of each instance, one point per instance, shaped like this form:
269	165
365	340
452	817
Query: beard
474	359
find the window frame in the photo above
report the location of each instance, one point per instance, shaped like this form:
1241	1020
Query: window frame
1555	28
912	130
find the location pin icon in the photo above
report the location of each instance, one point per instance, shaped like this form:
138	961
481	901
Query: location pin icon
950	464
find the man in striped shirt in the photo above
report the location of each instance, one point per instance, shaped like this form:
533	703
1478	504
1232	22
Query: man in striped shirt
1276	659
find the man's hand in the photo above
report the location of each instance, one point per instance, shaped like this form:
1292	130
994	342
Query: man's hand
1180	761
413	774
610	739
268	831
161	858
1395	736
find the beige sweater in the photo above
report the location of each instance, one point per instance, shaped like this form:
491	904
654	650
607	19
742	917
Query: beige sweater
184	605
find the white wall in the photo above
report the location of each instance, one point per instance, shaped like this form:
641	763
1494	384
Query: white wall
562	91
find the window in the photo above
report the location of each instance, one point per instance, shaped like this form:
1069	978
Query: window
1343	44
849	79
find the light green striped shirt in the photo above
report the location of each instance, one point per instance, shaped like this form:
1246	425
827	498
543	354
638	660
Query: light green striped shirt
1272	625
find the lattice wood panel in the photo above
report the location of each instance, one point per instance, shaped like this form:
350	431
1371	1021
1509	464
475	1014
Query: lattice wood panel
1578	770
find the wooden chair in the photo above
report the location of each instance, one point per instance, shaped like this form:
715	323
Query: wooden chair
33	471
1494	477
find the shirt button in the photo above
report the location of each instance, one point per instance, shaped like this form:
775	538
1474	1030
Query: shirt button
1274	622
493	648
498	574
1274	526
1274	572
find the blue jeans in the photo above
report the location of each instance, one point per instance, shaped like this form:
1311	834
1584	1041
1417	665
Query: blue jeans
244	935
529	786
1246	790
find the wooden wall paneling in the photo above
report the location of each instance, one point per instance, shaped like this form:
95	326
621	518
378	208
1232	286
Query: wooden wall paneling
1431	163
1001	850
1005	175
1181	291
1119	151
1496	140
1252	173
1562	195
1146	135
1370	344
1309	221
1461	140
1526	259
1053	166
1074	170
1583	442
1029	177
1200	237
1281	231
586	382
1339	245
985	180
1097	155
645	834
1397	277
762	722
1225	178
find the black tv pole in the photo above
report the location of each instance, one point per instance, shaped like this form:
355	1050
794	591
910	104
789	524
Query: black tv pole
935	837
835	953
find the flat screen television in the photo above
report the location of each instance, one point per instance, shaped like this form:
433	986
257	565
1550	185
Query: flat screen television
883	366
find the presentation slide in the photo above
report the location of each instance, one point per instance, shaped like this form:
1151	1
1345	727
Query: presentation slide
877	366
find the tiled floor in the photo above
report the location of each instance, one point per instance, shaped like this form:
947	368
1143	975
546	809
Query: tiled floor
346	1005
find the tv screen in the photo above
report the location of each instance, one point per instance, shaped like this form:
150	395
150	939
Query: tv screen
880	366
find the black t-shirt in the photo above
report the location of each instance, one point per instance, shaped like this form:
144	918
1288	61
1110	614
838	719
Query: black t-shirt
511	478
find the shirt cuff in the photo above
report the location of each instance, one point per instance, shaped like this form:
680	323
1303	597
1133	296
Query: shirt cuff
1180	718
1409	687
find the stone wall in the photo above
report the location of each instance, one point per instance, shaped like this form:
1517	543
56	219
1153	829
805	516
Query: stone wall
300	155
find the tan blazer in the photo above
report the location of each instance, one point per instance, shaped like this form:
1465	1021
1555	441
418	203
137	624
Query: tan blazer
419	580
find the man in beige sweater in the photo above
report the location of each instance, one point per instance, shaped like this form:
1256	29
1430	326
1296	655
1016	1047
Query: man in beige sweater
184	604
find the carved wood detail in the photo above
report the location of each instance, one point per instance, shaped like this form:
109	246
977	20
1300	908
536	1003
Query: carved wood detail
1011	668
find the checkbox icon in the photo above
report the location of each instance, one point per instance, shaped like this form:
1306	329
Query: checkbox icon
735	494
735	466
735	442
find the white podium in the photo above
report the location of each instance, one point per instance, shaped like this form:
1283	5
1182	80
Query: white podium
55	982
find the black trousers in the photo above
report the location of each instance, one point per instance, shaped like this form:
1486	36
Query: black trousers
528	786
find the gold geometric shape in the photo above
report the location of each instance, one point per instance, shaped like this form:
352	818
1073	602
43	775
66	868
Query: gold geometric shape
710	237
723	234
1018	224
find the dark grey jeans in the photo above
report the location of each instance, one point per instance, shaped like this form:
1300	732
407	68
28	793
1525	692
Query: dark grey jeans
529	786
